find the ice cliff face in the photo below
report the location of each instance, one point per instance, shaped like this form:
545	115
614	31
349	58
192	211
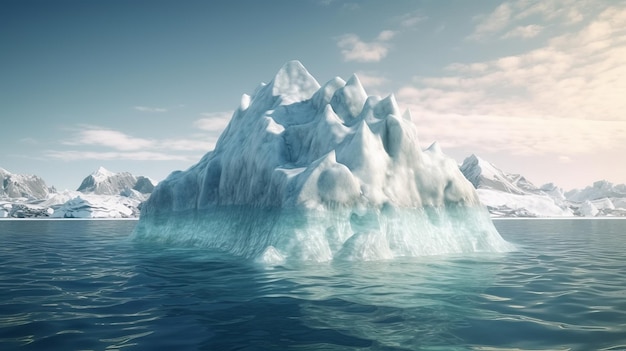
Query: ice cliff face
320	172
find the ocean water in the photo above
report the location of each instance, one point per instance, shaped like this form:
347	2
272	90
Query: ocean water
84	285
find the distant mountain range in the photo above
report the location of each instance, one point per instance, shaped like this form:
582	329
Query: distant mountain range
512	195
106	194
102	194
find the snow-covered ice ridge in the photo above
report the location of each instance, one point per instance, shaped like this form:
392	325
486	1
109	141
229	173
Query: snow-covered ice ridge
310	172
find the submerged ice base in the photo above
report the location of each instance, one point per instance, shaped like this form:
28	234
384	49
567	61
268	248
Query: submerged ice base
275	236
316	173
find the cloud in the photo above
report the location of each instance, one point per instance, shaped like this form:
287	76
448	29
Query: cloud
516	135
187	145
411	20
150	109
565	159
354	49
74	155
524	32
129	147
109	138
213	121
371	79
568	11
514	19
564	98
492	23
347	6
29	141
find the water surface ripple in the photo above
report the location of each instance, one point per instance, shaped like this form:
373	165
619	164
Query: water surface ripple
83	285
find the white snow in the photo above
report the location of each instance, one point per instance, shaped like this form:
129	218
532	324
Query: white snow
319	173
101	174
97	206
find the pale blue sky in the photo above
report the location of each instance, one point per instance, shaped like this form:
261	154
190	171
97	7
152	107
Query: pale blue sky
146	86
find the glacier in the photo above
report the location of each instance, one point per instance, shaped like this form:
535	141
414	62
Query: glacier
310	172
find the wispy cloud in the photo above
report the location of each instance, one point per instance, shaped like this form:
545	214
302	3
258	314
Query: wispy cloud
525	19
75	155
410	20
108	138
150	109
347	6
104	143
187	145
354	49
524	32
213	121
493	22
371	79
29	141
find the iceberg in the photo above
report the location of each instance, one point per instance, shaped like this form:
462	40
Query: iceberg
310	172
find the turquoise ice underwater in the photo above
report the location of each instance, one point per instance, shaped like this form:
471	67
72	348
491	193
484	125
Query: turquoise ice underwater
85	285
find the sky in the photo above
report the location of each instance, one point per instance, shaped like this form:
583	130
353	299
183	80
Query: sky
146	86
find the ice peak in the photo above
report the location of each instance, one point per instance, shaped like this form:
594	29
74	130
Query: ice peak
294	83
435	147
354	80
387	106
407	115
348	101
101	171
474	159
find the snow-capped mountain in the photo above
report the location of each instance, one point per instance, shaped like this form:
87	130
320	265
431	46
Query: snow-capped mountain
512	195
105	182
15	186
